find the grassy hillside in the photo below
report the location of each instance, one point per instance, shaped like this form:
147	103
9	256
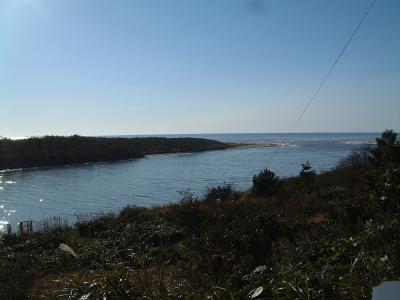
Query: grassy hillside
60	150
328	236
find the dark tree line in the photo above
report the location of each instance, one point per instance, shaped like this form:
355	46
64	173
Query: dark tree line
61	150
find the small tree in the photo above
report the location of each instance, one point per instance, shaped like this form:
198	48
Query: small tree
384	176
358	159
307	177
221	193
266	183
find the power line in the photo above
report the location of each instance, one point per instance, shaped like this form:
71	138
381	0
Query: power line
322	83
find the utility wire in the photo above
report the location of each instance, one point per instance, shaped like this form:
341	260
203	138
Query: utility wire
322	83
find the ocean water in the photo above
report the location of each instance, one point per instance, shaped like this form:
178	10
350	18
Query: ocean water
67	191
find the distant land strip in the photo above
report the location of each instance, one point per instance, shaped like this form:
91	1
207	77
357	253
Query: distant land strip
64	150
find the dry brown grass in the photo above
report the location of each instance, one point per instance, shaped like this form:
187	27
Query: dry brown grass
317	218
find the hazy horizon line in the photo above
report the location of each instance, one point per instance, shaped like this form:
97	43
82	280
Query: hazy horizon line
193	134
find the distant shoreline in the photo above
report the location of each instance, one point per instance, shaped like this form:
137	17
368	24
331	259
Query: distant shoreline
229	146
200	135
255	145
225	147
52	151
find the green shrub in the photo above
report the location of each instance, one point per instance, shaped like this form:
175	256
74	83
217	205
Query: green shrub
266	183
384	176
307	177
93	227
132	214
221	193
358	158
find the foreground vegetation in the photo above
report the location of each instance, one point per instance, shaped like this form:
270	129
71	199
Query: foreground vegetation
61	150
329	236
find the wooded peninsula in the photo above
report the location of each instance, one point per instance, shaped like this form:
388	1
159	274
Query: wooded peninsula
64	150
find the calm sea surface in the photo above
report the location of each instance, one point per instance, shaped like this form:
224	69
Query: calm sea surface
35	194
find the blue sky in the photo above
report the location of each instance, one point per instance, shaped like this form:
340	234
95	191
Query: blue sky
196	66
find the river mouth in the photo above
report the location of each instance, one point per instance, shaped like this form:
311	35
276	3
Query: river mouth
64	191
